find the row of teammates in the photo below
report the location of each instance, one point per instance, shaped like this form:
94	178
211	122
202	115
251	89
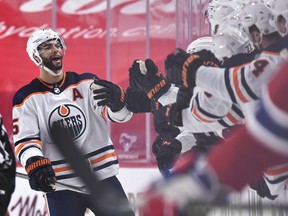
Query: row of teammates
220	83
208	92
219	80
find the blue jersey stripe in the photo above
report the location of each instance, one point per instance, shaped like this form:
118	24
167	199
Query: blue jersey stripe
269	124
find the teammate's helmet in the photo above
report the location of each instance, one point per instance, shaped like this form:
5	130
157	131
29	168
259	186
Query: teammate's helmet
199	44
37	38
280	8
218	10
245	2
230	41
258	14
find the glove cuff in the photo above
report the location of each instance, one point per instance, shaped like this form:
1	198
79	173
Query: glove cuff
190	68
36	162
160	89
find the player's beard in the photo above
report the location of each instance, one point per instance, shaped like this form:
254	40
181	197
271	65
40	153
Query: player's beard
49	64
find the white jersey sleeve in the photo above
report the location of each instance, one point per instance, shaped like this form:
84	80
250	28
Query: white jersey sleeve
241	84
187	140
276	178
122	115
208	108
170	96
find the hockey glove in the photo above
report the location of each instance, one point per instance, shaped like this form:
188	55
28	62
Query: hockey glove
164	119
183	65
145	75
173	66
209	59
168	153
184	96
109	94
137	100
157	144
41	174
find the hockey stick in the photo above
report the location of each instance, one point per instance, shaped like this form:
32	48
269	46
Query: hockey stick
106	199
57	184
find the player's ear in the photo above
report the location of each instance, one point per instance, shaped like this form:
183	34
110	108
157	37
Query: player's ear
37	59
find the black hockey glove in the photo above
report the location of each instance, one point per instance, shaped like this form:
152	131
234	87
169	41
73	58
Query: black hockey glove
108	94
173	66
168	153
184	96
183	65
41	174
262	189
157	144
137	100
208	58
145	75
164	119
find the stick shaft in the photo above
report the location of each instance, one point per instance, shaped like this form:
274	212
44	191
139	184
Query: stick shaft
57	184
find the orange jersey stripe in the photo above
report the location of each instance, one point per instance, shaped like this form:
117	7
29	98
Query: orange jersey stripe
97	160
62	169
277	171
104	112
35	93
21	146
237	86
194	111
51	86
271	53
232	118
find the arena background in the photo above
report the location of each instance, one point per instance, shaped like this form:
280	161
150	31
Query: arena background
103	37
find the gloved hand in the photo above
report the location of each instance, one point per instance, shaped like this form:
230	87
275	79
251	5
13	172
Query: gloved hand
145	75
208	57
183	65
168	153
173	66
164	118
158	142
184	96
41	174
108	94
262	189
193	62
137	100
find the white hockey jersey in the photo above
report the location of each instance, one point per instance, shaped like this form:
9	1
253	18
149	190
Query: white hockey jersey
37	106
242	84
208	108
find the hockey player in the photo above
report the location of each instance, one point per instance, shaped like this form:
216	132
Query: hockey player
226	83
170	143
199	106
275	178
80	103
262	142
242	83
7	169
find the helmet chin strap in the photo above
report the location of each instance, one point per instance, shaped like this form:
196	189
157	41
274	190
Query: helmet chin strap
50	71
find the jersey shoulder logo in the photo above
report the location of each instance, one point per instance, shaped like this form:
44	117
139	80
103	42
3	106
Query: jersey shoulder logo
69	117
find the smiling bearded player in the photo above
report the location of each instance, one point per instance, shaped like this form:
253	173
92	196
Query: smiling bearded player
69	100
